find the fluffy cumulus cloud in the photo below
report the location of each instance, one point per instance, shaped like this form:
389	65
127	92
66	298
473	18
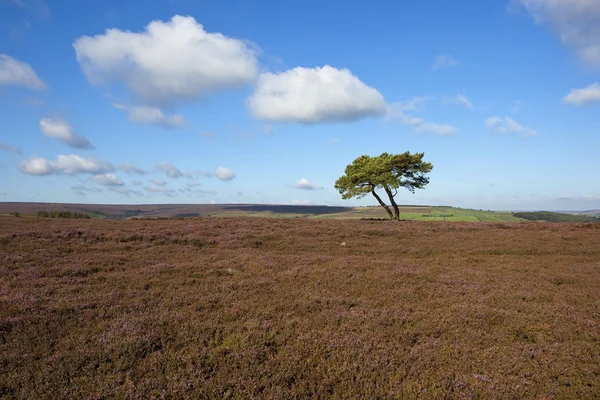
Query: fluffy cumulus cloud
62	130
108	179
17	73
152	115
224	174
576	22
305	184
9	148
70	164
508	126
312	95
584	95
443	61
168	62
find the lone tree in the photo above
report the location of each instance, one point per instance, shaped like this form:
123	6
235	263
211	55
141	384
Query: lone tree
388	172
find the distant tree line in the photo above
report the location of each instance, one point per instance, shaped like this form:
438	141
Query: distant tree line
554	217
62	214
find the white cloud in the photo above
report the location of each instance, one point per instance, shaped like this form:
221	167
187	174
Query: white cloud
302	203
169	169
62	130
17	73
192	184
584	95
169	62
443	61
10	149
207	134
159	182
304	184
37	166
460	100
312	95
577	23
397	110
70	164
108	179
442	130
153	116
130	169
224	174
507	126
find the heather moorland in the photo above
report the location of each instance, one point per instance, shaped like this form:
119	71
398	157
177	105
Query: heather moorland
292	308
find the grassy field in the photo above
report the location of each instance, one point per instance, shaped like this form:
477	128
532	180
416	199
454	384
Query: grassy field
296	308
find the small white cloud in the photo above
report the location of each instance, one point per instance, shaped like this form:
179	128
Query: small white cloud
37	166
442	130
170	170
224	174
207	134
70	164
192	184
507	126
17	73
62	130
443	61
152	115
130	169
169	62
313	95
159	182
302	203
108	179
304	184
10	149
584	95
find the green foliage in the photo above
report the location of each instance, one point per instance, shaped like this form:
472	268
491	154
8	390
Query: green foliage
389	172
62	214
554	217
17	214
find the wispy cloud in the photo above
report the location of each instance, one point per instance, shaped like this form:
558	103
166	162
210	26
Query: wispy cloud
17	73
61	130
508	126
443	61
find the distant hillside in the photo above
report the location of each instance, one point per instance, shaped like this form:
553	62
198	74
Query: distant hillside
555	217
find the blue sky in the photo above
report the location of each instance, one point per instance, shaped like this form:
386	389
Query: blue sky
267	101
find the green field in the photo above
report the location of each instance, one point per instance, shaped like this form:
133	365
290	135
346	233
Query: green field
427	213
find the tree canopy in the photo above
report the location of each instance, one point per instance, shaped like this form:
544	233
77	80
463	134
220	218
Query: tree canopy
388	172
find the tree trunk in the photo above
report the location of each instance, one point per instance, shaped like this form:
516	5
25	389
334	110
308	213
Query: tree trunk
383	204
396	208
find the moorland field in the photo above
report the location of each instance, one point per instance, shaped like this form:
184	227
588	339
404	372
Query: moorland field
294	308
